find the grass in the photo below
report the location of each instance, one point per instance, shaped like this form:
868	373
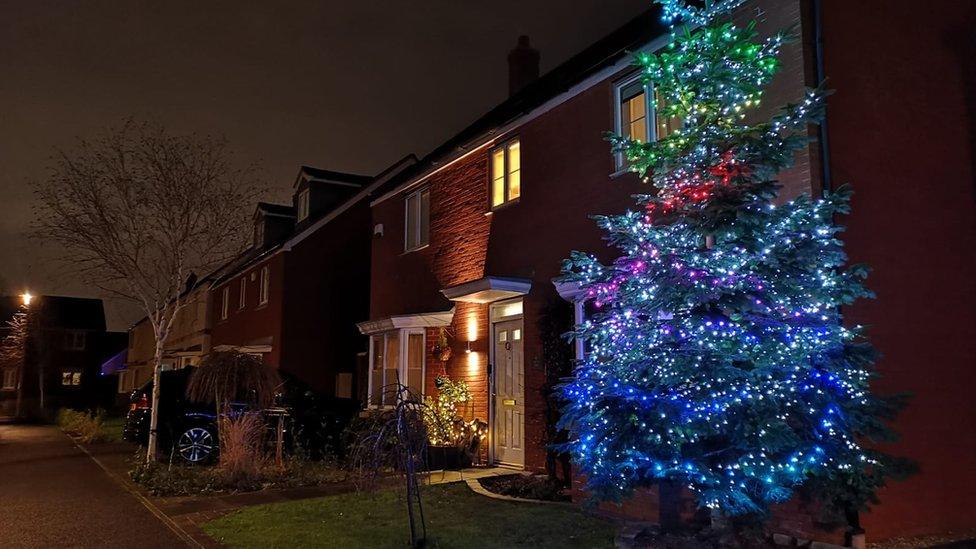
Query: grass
456	517
112	428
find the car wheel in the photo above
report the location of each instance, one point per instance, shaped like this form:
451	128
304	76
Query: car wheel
196	445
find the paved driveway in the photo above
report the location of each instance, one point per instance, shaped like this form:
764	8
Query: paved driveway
53	495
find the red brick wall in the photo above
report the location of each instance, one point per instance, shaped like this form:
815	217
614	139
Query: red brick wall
902	134
254	322
326	293
566	178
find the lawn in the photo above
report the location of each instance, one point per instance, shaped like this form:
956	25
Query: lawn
456	517
112	428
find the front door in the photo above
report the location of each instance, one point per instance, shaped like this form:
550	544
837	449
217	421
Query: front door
509	414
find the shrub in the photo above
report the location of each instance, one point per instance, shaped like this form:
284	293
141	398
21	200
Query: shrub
241	449
85	426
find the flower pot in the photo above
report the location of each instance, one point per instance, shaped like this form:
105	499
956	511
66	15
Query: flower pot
449	458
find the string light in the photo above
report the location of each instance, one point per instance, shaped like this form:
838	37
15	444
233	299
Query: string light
716	356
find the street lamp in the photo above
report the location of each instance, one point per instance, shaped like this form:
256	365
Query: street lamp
26	297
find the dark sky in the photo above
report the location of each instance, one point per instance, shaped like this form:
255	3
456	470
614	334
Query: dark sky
347	86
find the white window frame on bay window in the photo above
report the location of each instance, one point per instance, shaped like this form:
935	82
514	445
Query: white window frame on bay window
381	378
416	220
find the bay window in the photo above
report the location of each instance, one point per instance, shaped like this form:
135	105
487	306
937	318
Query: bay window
396	358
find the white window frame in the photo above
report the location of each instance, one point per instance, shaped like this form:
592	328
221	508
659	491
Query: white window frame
74	340
650	116
421	240
9	379
303	198
242	298
403	344
265	290
507	199
224	302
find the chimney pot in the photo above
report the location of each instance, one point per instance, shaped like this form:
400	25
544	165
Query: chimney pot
523	65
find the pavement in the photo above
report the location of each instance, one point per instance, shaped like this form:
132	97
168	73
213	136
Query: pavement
53	494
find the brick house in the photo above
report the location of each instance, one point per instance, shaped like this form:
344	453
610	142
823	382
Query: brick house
292	297
67	344
470	239
187	344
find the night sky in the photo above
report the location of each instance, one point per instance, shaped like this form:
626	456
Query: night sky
349	86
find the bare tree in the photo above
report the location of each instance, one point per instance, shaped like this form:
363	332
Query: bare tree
138	210
13	350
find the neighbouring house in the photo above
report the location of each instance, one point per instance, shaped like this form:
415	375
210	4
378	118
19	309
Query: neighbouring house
66	345
468	241
187	344
294	296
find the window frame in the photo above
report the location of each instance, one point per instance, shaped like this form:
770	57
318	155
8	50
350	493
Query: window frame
650	113
72	339
224	302
9	379
265	288
422	240
242	296
402	367
74	379
507	199
303	205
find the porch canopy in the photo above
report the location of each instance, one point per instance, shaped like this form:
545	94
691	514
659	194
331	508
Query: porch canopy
488	289
416	320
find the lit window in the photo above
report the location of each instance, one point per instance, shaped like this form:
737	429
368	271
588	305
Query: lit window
417	220
506	173
396	358
242	300
303	205
224	302
265	285
634	110
74	341
70	378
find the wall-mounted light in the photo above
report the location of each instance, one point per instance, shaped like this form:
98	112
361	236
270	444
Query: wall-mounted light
26	297
467	348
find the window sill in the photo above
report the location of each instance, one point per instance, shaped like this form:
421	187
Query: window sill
417	249
503	206
621	172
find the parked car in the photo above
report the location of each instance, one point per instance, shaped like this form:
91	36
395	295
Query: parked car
188	430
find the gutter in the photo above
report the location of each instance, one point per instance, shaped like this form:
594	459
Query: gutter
826	176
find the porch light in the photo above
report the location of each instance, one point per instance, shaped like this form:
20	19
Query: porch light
467	348
26	297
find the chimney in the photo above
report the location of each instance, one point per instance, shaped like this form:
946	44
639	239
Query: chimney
523	65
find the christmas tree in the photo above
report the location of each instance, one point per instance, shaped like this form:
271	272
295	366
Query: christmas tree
717	356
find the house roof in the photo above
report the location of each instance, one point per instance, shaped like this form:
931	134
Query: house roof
311	172
283	210
603	53
71	313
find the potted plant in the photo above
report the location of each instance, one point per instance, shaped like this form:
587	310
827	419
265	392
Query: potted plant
450	437
442	350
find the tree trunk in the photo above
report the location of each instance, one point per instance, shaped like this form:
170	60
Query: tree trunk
151	450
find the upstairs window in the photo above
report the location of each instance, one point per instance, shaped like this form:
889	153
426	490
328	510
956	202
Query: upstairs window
635	111
265	285
242	299
506	173
70	378
417	220
224	302
74	341
9	379
303	205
